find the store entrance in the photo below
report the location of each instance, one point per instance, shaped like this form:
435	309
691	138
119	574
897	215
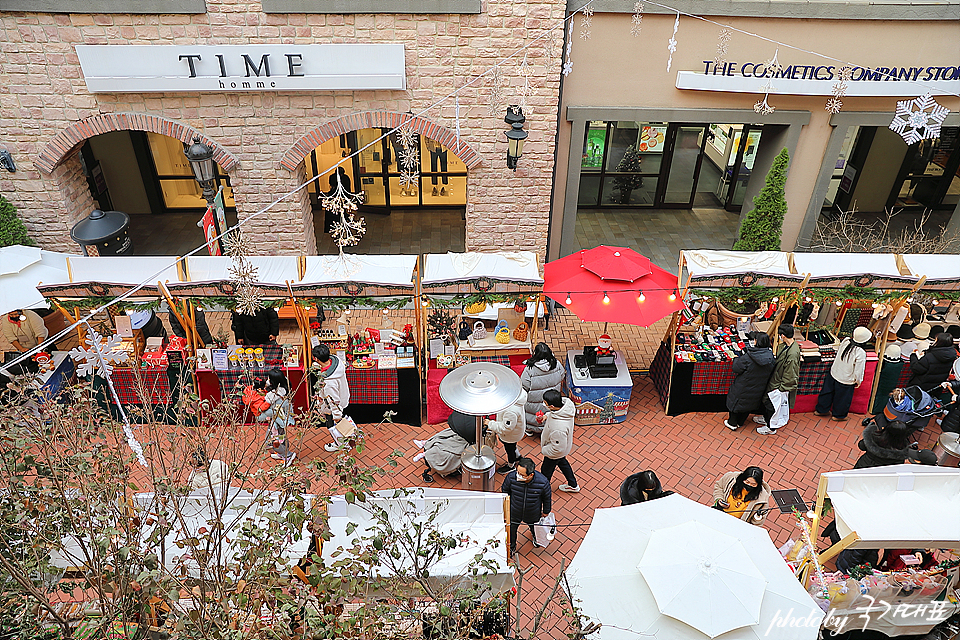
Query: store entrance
666	165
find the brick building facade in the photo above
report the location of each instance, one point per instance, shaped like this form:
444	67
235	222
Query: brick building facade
261	138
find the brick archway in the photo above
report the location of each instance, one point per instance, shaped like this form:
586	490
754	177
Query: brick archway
65	142
372	119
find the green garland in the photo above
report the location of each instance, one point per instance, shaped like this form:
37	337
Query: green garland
535	286
464	299
72	304
338	304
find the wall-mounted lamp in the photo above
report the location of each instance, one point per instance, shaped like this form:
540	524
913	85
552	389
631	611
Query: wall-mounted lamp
515	136
6	161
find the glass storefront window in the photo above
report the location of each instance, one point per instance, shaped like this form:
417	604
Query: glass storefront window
171	167
594	146
629	190
837	179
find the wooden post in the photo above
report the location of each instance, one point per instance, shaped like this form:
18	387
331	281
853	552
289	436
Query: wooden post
183	318
506	523
882	344
299	313
536	316
419	319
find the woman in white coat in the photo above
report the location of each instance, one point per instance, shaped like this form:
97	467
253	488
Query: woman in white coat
509	427
542	373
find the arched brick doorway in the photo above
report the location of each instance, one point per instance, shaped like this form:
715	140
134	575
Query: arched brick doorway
134	163
426	217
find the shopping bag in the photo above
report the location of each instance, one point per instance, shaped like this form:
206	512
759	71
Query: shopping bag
545	529
343	429
781	408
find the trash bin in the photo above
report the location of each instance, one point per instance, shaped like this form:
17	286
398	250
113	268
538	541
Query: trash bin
104	233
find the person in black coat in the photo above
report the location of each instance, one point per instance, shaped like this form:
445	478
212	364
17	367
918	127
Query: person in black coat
530	498
202	329
260	328
641	487
886	446
951	421
934	367
752	370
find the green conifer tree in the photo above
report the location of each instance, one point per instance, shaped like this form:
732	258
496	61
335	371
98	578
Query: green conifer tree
12	229
630	163
762	227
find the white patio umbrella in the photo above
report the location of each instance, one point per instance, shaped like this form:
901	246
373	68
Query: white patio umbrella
673	569
19	290
15	258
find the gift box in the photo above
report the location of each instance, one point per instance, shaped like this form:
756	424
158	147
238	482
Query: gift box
154	359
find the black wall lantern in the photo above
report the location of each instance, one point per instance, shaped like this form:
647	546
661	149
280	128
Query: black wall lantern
6	161
204	168
515	136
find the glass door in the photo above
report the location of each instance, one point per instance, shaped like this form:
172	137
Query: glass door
742	167
930	175
621	163
685	145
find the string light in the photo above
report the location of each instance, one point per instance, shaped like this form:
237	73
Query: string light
306	308
346	311
606	298
641	297
776	298
672	296
874	305
839	303
569	300
909	299
739	300
425	302
386	311
808	299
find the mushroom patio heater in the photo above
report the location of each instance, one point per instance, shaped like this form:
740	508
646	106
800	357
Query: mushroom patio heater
480	389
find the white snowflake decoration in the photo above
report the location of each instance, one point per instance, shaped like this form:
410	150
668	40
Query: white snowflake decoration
91	360
249	299
844	75
568	63
918	119
409	156
637	23
834	105
497	99
723	43
236	244
587	22
524	70
672	42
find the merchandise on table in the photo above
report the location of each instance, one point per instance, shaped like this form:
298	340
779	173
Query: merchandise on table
709	345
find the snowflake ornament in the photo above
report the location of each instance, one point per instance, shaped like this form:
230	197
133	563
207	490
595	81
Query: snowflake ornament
723	43
637	22
587	22
918	119
672	42
249	299
99	356
834	105
497	99
568	62
409	157
236	244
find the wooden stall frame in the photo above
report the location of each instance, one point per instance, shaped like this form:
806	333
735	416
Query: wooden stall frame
884	329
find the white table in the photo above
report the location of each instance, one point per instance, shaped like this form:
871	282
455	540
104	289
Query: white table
599	400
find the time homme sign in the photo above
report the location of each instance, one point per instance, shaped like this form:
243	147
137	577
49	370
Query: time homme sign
219	68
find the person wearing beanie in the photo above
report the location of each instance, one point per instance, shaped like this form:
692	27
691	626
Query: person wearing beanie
890	370
845	376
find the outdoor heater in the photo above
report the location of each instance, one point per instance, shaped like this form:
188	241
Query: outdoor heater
480	389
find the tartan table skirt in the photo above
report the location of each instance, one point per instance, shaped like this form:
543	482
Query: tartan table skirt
155	385
373	386
905	375
716	377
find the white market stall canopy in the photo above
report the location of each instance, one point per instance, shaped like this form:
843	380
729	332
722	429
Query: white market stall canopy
357	276
22	270
477	516
209	276
476	272
717	269
109	276
899	506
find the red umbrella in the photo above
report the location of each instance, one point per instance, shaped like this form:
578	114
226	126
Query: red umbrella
607	297
615	263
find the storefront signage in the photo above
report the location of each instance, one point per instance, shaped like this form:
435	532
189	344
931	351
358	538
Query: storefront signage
221	68
818	80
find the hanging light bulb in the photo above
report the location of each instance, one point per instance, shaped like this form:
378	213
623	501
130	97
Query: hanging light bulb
306	308
739	300
936	303
568	300
874	305
839	303
425	302
199	308
346	311
672	296
386	311
606	298
909	300
808	299
641	297
776	298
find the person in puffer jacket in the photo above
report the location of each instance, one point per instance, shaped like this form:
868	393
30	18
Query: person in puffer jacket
934	366
278	416
530	498
509	427
543	373
556	441
332	389
951	421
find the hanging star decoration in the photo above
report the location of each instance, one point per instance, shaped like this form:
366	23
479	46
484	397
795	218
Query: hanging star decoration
348	230
637	22
568	62
93	360
525	71
672	42
723	42
497	100
772	66
918	119
587	22
243	274
409	156
835	103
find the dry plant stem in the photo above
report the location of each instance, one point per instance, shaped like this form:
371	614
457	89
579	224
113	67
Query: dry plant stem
849	233
543	609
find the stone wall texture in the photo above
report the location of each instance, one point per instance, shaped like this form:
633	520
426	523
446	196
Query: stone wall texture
45	104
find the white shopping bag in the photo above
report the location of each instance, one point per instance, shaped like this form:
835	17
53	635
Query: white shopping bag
545	530
781	408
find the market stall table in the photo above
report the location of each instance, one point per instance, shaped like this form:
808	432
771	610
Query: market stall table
52	383
703	386
375	391
437	410
599	400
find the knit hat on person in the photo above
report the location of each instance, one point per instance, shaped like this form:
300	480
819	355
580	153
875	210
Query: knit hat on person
892	353
861	335
921	331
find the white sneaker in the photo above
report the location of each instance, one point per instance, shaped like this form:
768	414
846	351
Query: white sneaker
727	424
766	431
419	443
568	489
759	420
331	447
276	456
289	459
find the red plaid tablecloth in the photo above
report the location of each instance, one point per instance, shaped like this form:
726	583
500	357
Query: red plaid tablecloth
134	385
232	381
811	377
905	375
711	377
373	386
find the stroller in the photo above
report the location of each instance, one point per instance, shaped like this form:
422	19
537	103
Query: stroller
911	405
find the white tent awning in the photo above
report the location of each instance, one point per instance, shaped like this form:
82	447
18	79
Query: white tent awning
703	262
274	270
123	270
389	270
899	506
934	266
19	290
832	265
451	267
